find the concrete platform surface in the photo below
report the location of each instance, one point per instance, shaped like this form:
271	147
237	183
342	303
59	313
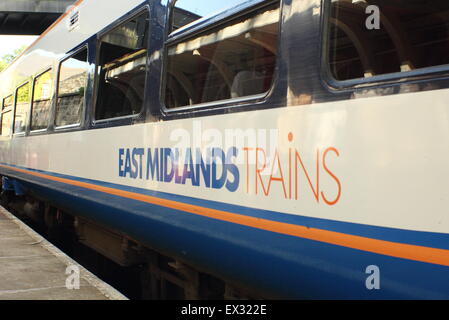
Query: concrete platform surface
31	268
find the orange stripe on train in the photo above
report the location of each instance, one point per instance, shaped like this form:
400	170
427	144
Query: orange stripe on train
388	248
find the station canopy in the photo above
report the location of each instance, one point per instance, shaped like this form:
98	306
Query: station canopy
30	17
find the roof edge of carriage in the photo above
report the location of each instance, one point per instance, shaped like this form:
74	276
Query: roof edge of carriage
51	27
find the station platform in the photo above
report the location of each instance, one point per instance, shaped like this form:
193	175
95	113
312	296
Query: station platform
31	268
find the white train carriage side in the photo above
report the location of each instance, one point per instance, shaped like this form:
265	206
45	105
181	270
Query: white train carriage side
296	149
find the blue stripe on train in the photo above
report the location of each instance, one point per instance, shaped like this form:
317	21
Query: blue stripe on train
420	238
276	264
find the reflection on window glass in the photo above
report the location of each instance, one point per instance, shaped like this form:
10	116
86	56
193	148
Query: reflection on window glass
237	60
5	128
7	102
71	89
40	110
411	35
22	107
6	123
122	70
187	11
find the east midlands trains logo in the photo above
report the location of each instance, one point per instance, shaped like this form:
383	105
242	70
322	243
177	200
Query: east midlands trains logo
259	162
182	166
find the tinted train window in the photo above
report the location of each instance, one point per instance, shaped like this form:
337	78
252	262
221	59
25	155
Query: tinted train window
233	61
409	35
5	128
71	89
22	107
122	70
188	11
41	108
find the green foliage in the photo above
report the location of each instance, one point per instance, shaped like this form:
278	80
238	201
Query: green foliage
8	58
3	65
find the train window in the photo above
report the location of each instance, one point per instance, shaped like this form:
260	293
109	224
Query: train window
122	69
5	129
233	61
41	107
72	84
22	107
188	11
369	38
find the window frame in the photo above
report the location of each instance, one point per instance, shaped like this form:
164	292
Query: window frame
435	72
22	133
202	26
56	96
30	117
3	111
141	115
